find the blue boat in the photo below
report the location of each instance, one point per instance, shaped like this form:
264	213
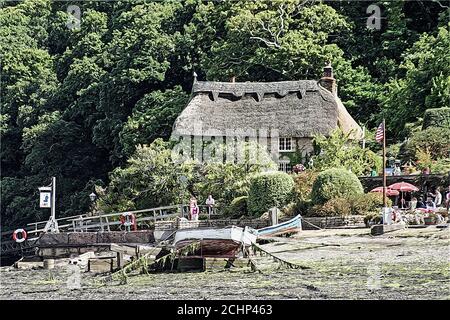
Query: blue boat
291	226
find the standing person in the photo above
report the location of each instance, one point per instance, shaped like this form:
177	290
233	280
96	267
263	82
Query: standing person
437	197
210	202
193	209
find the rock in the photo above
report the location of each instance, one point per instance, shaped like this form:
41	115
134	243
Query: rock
380	229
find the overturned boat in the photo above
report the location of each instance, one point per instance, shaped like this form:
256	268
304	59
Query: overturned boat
214	242
288	227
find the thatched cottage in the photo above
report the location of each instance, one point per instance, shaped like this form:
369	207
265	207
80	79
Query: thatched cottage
295	110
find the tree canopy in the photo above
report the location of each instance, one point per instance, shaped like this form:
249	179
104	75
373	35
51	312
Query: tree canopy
77	101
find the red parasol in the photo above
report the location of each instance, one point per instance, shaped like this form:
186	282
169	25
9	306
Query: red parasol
389	192
403	186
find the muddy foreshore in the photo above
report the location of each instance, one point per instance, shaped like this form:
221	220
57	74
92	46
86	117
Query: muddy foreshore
341	264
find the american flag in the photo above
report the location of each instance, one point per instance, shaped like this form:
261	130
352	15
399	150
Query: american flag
379	135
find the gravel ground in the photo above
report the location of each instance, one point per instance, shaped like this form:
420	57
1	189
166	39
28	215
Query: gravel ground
341	264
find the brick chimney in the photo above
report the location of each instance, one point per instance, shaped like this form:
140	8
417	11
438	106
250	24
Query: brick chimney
328	81
233	79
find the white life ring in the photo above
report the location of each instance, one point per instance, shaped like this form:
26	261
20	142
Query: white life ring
22	232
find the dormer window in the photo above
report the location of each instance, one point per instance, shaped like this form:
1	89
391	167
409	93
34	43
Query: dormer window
285	145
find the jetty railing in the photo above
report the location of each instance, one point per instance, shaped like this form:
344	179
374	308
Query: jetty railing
100	222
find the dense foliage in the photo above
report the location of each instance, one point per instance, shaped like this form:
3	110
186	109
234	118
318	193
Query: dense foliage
76	101
335	183
238	207
153	177
338	151
268	190
360	204
436	117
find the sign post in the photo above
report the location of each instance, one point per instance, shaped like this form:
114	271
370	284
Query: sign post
47	199
45	194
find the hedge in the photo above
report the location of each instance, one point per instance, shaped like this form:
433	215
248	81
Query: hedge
238	206
268	190
436	117
335	183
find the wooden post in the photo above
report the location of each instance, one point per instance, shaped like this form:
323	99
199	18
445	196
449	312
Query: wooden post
273	215
120	261
107	223
384	165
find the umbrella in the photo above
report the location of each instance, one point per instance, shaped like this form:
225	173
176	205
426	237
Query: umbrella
389	192
403	186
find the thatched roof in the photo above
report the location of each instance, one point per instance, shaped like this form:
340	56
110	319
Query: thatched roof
296	108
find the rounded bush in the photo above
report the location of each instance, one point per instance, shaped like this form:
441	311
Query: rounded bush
335	183
268	190
239	206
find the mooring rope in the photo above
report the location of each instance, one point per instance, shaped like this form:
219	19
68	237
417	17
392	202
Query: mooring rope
143	262
289	265
312	224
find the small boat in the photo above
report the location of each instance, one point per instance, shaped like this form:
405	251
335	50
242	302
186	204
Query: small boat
291	226
214	242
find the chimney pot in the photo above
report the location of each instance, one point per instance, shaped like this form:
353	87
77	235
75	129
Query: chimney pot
328	70
328	81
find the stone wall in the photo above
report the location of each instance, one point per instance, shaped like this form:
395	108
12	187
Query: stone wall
332	222
92	238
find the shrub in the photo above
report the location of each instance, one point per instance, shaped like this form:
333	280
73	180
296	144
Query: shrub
335	183
239	206
436	117
269	189
331	208
303	182
365	203
440	166
361	204
433	140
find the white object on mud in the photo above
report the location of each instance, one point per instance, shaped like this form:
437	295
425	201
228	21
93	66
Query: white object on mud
246	235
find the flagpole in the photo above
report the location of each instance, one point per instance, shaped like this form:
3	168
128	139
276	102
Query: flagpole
384	165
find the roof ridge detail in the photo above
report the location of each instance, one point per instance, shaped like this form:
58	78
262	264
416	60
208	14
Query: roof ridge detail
238	89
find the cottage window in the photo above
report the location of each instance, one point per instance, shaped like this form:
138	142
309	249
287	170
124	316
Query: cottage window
285	144
285	166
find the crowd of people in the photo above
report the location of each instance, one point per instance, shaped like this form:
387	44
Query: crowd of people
421	207
433	201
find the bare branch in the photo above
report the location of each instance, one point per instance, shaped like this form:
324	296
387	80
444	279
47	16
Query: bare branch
267	42
441	5
281	10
